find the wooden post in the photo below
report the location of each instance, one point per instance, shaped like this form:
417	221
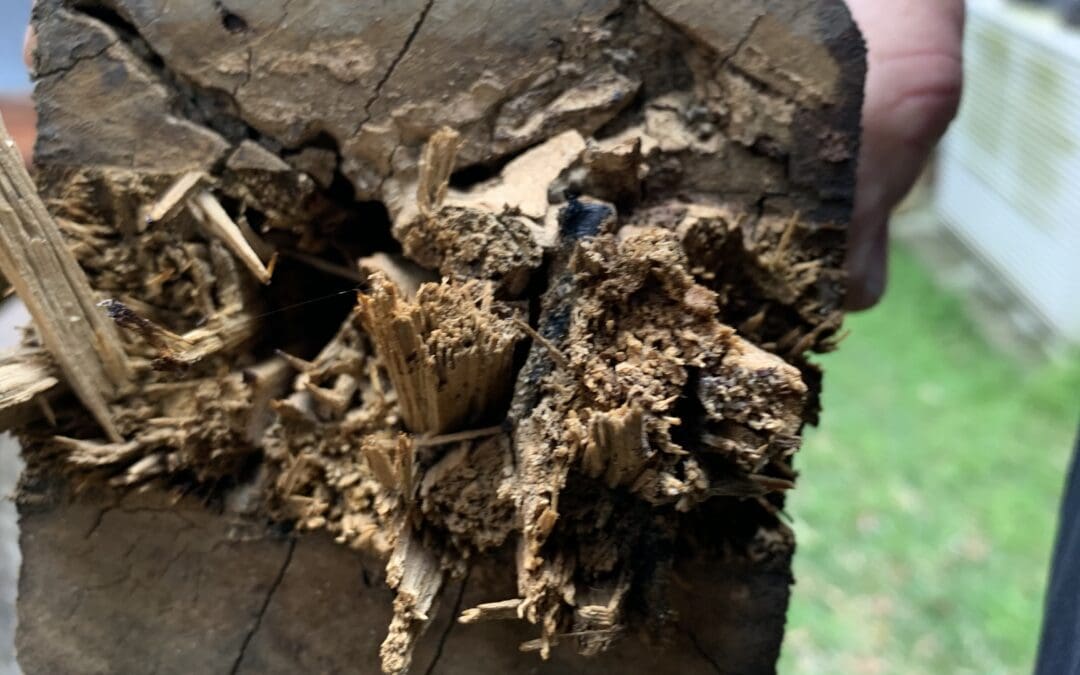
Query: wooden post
595	242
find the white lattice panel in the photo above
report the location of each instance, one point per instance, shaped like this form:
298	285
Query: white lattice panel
1009	182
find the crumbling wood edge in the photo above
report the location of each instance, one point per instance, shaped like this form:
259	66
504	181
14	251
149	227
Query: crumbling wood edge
46	276
28	379
793	72
218	593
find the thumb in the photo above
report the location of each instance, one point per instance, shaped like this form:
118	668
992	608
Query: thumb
913	90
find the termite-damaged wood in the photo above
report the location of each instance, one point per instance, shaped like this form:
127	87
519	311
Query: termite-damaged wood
36	261
592	245
174	555
27	378
448	356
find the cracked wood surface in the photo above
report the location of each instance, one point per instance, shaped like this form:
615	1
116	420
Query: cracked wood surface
653	424
148	584
197	595
500	76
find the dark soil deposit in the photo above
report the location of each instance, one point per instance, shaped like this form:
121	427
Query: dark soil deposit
477	331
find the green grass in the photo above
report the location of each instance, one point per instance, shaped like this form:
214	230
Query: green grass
929	495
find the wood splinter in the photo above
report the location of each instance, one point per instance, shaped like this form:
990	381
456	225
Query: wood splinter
46	276
216	220
502	610
174	198
557	234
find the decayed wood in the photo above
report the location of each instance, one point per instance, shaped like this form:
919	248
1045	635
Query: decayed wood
416	575
593	243
449	358
225	601
25	378
36	262
175	198
241	241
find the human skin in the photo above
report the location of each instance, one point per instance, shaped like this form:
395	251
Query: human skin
913	88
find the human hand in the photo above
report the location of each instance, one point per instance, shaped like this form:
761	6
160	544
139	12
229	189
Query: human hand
912	94
29	45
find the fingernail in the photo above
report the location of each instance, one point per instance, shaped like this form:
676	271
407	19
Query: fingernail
867	264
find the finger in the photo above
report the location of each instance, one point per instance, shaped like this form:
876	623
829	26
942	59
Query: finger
30	41
867	255
29	46
912	93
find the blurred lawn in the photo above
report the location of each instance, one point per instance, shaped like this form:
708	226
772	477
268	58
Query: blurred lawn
929	496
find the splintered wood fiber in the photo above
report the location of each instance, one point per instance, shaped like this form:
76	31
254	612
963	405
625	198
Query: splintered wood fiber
534	287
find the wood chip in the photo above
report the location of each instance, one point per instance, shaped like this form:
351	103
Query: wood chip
172	201
491	611
216	220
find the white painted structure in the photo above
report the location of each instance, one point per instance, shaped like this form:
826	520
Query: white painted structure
1009	173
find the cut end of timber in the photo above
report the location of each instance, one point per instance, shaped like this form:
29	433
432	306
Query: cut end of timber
543	313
